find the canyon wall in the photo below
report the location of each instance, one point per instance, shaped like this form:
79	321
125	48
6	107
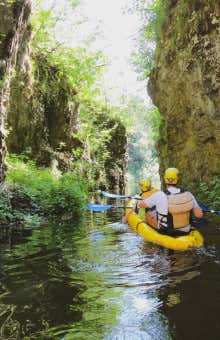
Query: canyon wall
185	86
14	17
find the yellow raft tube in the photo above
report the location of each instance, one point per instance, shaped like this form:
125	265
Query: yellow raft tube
193	240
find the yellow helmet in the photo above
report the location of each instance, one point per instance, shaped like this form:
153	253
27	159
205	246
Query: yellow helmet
145	184
171	176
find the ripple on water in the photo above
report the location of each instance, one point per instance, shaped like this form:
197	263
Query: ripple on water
99	281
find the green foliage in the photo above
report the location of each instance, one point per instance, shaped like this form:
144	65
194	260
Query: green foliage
209	193
81	69
80	66
42	25
95	134
67	196
74	3
5	207
154	118
78	71
133	113
153	15
2	3
16	207
48	195
142	125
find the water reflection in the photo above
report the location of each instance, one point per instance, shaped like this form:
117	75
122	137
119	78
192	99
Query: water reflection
99	280
190	298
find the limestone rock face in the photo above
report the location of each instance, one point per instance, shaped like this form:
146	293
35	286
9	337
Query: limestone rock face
43	114
43	118
116	165
185	86
14	17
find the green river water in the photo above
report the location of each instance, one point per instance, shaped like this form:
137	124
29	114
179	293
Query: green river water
97	279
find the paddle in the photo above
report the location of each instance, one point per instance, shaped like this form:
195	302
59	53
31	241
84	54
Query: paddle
108	194
103	207
206	209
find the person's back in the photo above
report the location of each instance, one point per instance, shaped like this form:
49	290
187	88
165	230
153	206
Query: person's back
158	200
180	203
173	207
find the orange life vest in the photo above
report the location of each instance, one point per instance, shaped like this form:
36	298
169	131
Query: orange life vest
148	193
142	211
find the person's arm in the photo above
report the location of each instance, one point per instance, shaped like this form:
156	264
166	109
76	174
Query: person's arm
142	204
149	202
197	211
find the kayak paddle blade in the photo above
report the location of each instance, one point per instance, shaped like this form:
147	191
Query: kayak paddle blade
108	194
207	209
98	207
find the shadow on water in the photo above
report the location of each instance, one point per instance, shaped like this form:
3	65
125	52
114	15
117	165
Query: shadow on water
97	279
191	297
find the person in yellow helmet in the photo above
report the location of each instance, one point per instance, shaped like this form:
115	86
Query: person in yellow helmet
173	206
157	200
181	203
146	191
146	188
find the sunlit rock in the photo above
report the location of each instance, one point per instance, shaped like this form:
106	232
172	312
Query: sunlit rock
185	85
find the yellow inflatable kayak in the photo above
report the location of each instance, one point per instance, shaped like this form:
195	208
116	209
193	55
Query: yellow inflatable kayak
193	240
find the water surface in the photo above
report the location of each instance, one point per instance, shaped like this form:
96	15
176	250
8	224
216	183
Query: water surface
97	279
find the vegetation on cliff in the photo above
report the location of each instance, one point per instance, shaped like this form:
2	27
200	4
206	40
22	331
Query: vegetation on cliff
58	90
59	119
153	14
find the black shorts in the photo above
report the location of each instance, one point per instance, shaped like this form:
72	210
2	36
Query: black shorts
173	232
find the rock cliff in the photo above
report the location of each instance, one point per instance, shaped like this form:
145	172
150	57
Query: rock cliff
43	113
43	117
185	86
14	17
